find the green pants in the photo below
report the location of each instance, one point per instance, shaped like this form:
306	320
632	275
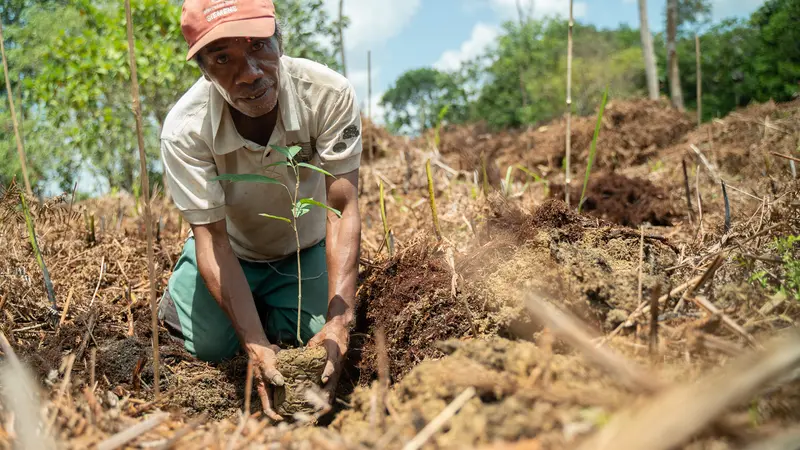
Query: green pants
191	314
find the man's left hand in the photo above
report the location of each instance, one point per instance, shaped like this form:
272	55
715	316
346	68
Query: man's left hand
335	338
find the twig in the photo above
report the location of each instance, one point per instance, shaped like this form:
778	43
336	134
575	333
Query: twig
86	336
248	387
688	192
641	261
790	158
712	269
642	309
708	165
441	419
566	327
699	81
730	323
137	109
453	291
99	279
727	208
125	436
654	321
20	146
677	414
66	309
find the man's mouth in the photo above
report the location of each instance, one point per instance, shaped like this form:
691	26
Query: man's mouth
258	95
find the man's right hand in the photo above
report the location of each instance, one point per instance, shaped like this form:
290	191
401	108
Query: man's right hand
265	374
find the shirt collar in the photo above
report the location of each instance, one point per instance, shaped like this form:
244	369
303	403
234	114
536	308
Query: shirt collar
225	137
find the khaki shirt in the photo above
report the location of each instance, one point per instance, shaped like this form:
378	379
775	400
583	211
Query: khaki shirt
318	111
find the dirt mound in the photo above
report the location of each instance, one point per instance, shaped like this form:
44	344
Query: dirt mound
626	201
378	142
521	392
595	271
631	132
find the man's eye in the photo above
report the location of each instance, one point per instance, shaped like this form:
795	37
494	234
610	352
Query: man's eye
222	59
258	45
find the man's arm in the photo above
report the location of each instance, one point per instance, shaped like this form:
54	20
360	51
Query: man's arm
343	240
225	280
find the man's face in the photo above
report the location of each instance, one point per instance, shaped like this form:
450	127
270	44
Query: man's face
245	71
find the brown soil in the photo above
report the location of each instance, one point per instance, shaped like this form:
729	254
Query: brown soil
626	201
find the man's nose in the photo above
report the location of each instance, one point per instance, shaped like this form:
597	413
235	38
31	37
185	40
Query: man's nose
251	72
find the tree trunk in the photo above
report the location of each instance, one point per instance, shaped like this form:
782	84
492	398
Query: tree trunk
672	55
341	36
648	52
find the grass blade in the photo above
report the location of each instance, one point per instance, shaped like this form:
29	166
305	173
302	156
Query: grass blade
436	228
48	283
593	150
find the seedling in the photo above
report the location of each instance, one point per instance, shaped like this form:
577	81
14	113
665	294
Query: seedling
593	150
531	174
48	284
300	206
434	214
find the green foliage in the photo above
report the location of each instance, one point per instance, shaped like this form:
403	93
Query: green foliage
76	79
415	100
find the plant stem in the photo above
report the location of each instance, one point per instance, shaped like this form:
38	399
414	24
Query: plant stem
433	201
137	110
20	147
297	241
593	150
567	171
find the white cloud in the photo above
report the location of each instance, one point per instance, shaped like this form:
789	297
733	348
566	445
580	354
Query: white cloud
373	22
539	8
482	36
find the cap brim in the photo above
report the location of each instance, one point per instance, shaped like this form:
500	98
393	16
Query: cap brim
260	27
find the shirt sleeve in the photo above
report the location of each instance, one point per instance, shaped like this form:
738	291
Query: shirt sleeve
188	170
339	142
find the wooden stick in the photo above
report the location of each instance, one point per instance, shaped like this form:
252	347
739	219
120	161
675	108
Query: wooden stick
706	163
441	419
688	192
568	328
125	436
17	135
790	158
568	174
248	387
675	415
137	109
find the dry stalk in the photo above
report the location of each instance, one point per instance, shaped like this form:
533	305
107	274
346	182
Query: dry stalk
99	279
711	169
688	192
643	309
790	158
675	415
125	436
385	221
712	269
436	228
66	309
654	322
17	135
454	293
641	261
726	319
566	327
137	109
568	174
440	420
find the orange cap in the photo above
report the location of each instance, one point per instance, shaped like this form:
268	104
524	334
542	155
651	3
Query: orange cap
204	21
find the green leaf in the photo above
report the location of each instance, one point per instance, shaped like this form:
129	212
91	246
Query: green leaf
593	149
251	177
311	201
279	163
300	209
288	152
270	216
312	167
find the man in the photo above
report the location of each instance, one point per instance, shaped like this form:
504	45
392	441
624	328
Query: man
235	283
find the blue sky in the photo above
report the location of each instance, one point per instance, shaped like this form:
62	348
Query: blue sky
407	34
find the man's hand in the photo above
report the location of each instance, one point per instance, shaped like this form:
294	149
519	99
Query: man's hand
335	339
265	374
